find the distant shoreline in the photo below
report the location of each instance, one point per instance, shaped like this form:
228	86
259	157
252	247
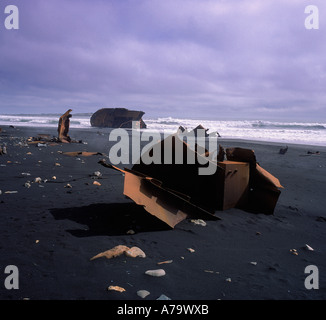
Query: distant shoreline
223	140
280	132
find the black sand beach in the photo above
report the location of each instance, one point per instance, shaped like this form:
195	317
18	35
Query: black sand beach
51	231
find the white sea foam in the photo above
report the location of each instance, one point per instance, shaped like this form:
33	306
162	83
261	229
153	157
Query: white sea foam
274	131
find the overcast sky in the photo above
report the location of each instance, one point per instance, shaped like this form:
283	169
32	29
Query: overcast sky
179	58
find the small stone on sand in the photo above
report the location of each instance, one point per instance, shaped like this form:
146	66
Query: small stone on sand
116	288
163	297
164	262
294	251
135	252
97	174
156	273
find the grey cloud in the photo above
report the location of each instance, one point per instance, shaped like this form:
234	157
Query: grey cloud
164	56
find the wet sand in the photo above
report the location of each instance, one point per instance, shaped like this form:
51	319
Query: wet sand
51	231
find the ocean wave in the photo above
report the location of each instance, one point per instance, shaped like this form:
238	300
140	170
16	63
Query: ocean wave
287	132
166	121
41	120
290	126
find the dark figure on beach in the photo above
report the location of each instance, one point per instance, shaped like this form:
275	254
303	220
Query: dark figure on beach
283	150
63	127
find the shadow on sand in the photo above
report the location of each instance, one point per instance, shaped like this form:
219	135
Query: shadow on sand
110	219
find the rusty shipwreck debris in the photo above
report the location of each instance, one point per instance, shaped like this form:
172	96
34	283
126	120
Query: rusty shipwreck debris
174	191
45	139
82	154
184	131
117	118
200	128
263	187
63	127
168	205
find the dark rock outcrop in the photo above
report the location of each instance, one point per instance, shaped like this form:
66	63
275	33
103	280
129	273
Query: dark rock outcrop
117	118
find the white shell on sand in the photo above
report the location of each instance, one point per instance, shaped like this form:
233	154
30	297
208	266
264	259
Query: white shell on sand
143	293
135	252
97	174
199	222
309	248
156	273
38	180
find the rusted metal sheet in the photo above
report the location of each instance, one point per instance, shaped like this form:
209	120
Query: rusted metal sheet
173	190
263	186
81	153
235	184
166	204
178	167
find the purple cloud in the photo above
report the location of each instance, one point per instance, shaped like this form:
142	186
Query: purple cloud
220	58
